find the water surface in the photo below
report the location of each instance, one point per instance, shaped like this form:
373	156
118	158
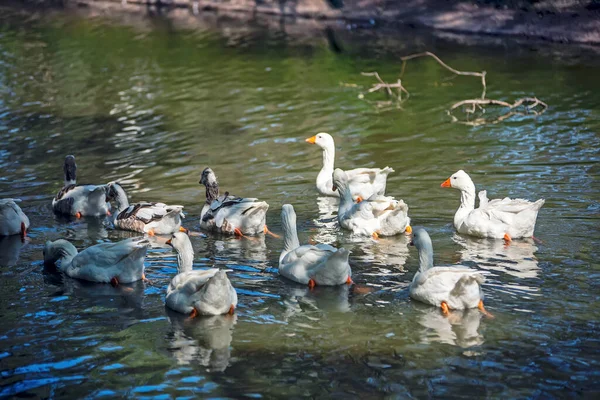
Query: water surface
151	103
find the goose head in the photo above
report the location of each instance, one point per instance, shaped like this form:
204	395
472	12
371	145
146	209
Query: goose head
340	180
180	241
70	170
208	177
322	139
58	250
420	238
459	180
114	191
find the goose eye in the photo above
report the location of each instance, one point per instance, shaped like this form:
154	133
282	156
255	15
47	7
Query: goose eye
454	178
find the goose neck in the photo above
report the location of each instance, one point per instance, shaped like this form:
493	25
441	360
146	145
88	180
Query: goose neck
346	202
290	234
212	192
328	159
425	258
185	258
467	198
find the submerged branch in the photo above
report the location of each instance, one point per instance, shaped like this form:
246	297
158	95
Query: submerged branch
532	105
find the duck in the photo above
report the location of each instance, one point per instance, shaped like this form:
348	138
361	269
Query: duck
230	214
498	219
376	216
115	263
311	265
79	201
13	220
363	182
455	287
150	218
198	292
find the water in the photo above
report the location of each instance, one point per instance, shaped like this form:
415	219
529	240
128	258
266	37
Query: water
151	102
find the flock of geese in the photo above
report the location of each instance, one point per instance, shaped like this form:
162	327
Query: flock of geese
363	209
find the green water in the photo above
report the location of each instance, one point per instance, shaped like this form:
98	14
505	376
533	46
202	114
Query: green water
151	102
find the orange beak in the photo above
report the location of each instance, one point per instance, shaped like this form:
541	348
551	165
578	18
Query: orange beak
182	229
168	242
446	183
311	140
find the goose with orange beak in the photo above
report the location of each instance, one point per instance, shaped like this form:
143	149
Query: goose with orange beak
240	216
375	216
499	219
312	265
363	182
198	292
455	287
146	217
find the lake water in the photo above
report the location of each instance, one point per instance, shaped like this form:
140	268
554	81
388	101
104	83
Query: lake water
151	102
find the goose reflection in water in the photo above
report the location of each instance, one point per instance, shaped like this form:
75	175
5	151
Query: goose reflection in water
387	253
301	299
328	207
85	228
459	328
516	259
205	339
124	303
252	248
10	249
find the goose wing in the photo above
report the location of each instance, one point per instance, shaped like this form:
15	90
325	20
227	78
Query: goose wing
106	255
309	255
362	175
147	212
191	281
450	275
505	210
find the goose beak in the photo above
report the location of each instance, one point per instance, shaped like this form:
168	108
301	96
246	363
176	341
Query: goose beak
446	183
182	229
169	242
311	140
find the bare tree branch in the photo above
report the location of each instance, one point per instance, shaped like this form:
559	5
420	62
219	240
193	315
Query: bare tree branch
471	107
443	64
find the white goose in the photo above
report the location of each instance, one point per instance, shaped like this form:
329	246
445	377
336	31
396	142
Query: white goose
150	218
310	265
376	216
13	220
120	262
198	292
230	214
451	288
79	201
500	219
363	182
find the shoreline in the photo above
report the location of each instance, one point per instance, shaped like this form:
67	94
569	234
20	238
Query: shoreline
573	24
